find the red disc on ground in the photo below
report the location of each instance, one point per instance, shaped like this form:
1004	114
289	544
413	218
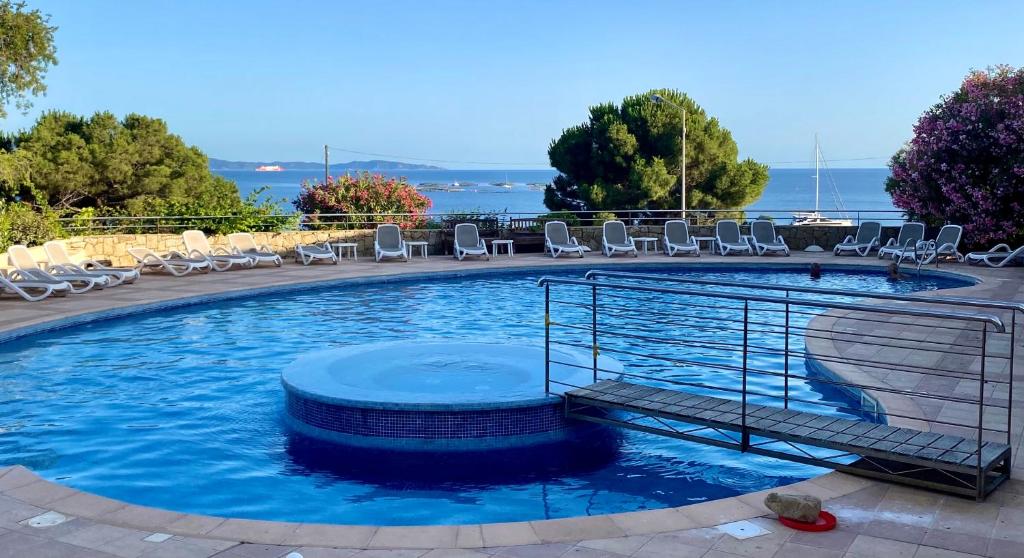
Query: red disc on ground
825	522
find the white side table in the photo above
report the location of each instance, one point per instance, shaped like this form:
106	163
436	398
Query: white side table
421	244
711	240
645	240
348	248
506	243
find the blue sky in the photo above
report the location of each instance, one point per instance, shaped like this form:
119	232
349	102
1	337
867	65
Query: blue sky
497	80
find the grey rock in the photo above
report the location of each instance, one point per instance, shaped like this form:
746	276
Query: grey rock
799	507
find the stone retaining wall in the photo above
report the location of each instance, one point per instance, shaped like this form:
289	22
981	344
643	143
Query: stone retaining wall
115	247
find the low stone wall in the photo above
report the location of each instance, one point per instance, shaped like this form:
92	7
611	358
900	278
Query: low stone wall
114	248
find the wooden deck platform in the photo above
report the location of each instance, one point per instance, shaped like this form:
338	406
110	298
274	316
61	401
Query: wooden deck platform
902	454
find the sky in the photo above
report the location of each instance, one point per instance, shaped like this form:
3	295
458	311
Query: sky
493	81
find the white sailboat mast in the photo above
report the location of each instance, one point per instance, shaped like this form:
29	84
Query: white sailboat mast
817	187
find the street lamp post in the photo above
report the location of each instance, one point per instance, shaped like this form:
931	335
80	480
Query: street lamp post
658	99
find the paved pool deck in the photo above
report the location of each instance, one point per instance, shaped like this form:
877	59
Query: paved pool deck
876	519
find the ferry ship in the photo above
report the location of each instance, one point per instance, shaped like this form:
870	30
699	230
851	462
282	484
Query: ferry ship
269	168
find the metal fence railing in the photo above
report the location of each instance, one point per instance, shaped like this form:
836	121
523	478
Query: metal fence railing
501	219
925	386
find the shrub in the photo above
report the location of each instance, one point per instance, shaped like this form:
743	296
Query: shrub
965	164
211	215
601	217
570	218
20	223
357	201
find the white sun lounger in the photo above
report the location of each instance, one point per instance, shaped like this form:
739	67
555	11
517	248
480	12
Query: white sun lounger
61	261
244	244
944	244
616	239
174	263
388	243
867	239
557	240
729	239
309	253
26	268
910	235
22	288
197	246
765	239
468	242
678	239
999	256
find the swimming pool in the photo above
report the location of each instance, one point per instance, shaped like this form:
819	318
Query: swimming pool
182	409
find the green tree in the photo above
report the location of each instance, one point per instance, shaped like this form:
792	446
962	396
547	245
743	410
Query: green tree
627	157
26	53
101	161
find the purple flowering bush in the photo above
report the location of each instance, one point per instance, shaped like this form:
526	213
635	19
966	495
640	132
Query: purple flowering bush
965	164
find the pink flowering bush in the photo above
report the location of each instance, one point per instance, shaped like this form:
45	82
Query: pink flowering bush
965	164
358	201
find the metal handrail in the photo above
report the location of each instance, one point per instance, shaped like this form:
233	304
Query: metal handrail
989	319
951	301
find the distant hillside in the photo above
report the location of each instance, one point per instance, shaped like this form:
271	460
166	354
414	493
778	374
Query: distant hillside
374	165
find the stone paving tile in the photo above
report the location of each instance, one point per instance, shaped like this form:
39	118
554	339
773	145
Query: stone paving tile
317	552
469	536
96	536
247	530
1001	548
576	528
932	552
793	550
618	545
507	534
427	536
395	553
255	551
837	539
897	531
960	542
873	547
453	553
40	493
549	550
584	552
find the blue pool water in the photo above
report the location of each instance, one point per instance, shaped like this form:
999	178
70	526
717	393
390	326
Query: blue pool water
182	409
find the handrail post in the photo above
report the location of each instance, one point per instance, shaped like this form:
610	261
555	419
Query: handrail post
547	338
593	326
745	435
979	483
785	363
1009	393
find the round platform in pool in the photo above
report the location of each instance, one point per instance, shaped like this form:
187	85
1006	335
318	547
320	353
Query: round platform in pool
444	396
429	374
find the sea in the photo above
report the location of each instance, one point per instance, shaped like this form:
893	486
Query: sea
861	191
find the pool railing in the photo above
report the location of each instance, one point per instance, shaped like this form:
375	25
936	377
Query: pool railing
921	365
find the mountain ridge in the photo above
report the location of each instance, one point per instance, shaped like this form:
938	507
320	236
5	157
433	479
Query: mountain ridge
371	165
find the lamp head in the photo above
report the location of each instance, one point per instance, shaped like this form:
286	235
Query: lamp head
657	98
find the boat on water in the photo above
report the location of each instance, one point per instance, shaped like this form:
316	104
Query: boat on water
506	184
815	218
269	168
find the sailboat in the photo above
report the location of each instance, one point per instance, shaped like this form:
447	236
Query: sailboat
815	218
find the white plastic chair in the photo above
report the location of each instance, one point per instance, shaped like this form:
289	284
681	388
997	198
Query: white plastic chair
678	239
729	239
867	239
468	242
615	239
557	240
388	243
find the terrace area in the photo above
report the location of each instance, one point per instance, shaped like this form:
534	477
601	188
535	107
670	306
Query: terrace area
875	518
